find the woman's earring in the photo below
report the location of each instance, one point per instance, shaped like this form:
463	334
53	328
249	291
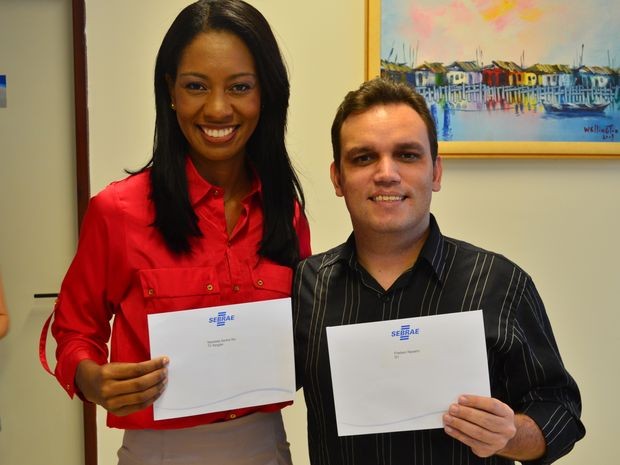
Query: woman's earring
174	108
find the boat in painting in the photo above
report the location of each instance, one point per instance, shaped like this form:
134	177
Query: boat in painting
575	108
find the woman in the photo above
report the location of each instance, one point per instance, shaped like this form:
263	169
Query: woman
4	313
217	210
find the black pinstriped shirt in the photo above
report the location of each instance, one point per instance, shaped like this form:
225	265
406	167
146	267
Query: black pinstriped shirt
525	367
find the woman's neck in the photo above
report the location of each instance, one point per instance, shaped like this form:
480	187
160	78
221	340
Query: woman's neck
231	175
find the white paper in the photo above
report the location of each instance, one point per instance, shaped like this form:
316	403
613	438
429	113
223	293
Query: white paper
402	375
224	358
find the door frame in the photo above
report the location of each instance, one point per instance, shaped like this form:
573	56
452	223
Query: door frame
82	173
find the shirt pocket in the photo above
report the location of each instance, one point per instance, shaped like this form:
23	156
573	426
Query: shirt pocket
171	289
271	281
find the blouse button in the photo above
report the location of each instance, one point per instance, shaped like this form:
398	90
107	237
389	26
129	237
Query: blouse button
260	282
232	416
236	288
151	291
209	287
216	193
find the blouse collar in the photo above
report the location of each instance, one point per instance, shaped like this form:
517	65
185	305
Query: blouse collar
199	188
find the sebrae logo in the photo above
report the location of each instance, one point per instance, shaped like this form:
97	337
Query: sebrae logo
405	332
222	318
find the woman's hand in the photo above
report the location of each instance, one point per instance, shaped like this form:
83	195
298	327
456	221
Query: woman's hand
122	388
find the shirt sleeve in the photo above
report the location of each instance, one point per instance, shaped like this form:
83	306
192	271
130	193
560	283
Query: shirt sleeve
83	310
538	383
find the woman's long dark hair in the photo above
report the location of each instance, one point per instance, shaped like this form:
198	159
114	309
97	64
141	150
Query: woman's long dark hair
174	217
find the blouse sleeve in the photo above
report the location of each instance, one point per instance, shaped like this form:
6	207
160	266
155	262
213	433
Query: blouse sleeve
303	232
84	307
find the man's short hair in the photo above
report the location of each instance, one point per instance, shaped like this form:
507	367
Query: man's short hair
380	91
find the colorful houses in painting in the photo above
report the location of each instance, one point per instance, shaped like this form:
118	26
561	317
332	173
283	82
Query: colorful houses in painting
507	73
463	72
552	75
596	76
500	74
397	72
430	74
506	85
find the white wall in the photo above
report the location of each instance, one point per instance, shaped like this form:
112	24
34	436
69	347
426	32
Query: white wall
556	218
40	424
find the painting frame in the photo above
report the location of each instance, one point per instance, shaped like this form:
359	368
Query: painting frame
484	149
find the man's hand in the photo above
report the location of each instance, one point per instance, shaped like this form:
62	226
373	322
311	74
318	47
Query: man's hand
484	424
122	388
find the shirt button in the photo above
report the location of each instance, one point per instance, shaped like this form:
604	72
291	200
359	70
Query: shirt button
236	288
151	291
260	282
68	387
232	416
209	287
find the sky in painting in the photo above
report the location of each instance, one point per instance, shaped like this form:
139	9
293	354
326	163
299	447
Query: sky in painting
542	31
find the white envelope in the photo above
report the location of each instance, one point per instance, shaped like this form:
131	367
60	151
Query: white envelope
401	375
224	358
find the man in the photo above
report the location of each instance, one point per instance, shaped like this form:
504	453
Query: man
397	264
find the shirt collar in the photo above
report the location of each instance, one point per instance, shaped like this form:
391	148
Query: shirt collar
432	251
199	188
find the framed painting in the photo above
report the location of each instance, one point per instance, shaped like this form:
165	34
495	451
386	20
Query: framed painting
506	78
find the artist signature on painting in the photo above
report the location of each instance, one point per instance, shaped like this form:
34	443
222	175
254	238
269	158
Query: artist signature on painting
607	132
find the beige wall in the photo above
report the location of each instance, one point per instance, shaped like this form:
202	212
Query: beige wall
40	425
556	218
559	219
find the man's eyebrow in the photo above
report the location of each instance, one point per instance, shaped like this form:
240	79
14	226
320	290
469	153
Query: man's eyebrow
412	145
357	149
409	145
